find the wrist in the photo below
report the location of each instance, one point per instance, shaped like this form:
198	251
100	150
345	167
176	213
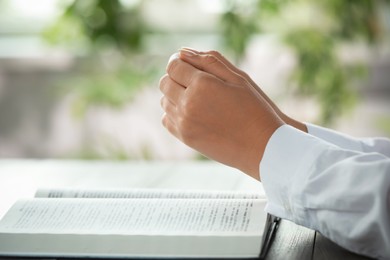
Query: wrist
294	123
257	147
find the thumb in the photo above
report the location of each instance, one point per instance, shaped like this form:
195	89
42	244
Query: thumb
210	64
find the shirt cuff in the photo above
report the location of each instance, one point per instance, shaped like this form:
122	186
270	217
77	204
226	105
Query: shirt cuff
288	156
341	140
366	145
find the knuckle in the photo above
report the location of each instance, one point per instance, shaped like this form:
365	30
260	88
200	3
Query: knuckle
214	53
162	101
189	111
182	108
172	66
210	59
167	124
188	108
243	74
167	106
186	130
163	83
164	120
182	124
240	77
198	79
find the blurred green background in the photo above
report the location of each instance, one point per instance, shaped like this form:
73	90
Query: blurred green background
79	79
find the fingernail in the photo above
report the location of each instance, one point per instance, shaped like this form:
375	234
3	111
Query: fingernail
187	53
190	49
173	56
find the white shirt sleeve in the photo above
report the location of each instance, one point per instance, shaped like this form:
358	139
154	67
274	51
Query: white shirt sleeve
366	145
342	193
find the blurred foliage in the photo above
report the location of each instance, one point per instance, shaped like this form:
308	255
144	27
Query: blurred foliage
356	19
99	25
109	87
113	67
111	36
237	27
110	22
115	34
319	72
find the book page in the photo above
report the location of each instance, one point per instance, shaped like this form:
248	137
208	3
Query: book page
136	216
146	193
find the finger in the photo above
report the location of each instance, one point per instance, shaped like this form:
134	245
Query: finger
181	72
172	90
211	64
168	107
235	69
240	72
223	59
169	124
220	57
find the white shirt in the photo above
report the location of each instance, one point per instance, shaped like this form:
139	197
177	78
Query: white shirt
333	183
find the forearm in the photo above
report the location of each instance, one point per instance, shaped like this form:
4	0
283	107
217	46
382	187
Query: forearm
341	193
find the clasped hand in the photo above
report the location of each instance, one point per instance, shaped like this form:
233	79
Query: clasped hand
215	108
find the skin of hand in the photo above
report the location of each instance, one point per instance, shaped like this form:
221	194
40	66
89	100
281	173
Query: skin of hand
284	117
216	111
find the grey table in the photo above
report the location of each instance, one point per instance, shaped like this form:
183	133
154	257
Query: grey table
296	242
21	178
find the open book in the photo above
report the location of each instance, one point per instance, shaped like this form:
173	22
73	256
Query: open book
135	224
